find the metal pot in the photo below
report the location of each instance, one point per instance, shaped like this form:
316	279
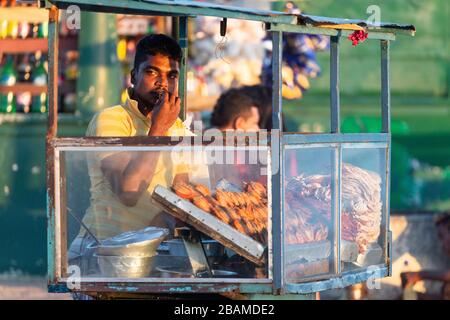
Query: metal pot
125	267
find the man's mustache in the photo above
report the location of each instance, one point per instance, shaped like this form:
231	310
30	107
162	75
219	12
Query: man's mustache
157	95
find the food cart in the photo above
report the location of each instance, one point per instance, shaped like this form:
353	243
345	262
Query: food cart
312	213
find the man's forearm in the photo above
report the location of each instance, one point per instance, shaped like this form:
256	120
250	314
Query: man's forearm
139	172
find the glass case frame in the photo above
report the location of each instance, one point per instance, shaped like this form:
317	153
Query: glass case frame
276	23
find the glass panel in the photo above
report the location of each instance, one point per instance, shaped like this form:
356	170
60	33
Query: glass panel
113	192
363	224
309	237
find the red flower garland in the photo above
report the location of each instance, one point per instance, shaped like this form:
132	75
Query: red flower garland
358	36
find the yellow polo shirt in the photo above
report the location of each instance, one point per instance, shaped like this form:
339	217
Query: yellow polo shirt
107	216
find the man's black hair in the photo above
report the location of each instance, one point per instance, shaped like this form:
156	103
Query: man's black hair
231	105
262	98
154	44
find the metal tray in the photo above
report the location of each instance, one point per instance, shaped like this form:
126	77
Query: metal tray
210	225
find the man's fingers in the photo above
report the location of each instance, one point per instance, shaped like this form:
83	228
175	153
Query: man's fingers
172	99
165	96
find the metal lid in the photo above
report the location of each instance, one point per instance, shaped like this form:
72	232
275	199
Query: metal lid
135	237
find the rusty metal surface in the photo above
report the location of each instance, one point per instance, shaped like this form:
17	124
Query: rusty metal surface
309	20
51	133
217	10
249	140
119	287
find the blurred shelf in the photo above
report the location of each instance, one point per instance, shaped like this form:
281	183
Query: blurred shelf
23	87
34	89
28	14
23	45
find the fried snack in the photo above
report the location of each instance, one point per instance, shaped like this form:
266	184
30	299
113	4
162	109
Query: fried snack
238	226
254	199
232	214
221	214
233	200
185	191
256	188
251	227
204	191
202	203
245	214
223	198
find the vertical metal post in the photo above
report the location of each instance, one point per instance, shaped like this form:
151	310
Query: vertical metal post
277	59
182	84
175	27
336	206
277	163
334	85
53	73
51	134
385	88
386	128
335	127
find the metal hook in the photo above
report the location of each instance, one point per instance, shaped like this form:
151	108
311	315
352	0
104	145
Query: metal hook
223	27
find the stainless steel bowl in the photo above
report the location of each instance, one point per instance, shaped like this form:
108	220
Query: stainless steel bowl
125	267
141	243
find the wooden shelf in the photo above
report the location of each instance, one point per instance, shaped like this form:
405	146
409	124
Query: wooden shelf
23	45
23	87
34	89
28	14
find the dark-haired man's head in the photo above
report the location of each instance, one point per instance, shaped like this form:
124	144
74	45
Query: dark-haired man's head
262	99
156	69
235	111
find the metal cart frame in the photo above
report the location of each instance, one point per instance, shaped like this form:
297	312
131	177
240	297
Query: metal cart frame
276	23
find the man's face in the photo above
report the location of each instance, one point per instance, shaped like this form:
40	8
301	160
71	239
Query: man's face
157	74
249	122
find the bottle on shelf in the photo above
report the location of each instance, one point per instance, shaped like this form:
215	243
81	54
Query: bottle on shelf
43	30
24	30
3	29
71	65
24	68
39	77
34	30
8	77
23	76
122	49
13	29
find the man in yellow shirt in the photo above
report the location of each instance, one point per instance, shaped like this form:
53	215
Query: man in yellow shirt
121	182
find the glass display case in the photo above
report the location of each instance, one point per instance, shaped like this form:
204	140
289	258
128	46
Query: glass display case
268	213
225	196
335	214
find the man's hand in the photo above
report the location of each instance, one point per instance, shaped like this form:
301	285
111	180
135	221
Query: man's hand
165	114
